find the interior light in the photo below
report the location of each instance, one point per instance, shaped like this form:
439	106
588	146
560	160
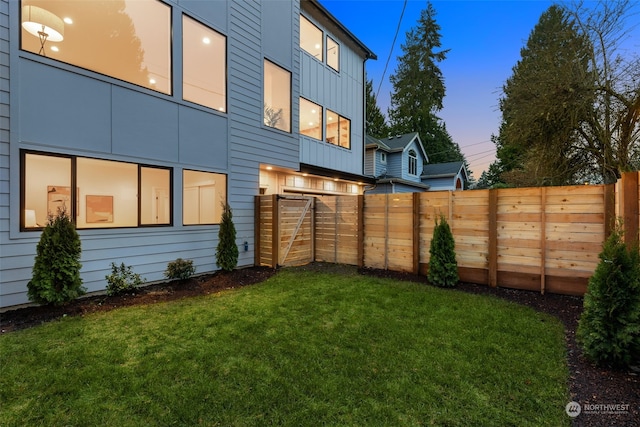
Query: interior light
68	20
55	48
152	81
317	46
313	111
221	109
206	40
42	24
269	168
310	123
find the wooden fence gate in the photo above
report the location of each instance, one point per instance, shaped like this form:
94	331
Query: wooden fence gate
285	230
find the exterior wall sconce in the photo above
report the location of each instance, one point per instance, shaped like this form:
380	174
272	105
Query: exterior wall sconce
42	24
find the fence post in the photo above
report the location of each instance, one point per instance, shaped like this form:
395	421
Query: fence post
275	231
256	230
543	238
629	209
416	233
360	230
492	256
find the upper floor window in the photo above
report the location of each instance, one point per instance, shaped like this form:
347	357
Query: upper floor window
383	157
333	54
126	39
311	38
203	62
277	97
413	163
338	130
310	119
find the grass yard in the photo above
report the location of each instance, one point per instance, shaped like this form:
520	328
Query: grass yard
300	349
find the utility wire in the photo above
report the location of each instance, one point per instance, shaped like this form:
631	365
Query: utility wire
404	6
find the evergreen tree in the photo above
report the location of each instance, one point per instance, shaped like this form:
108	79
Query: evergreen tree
227	250
56	271
443	267
376	123
419	90
544	103
609	327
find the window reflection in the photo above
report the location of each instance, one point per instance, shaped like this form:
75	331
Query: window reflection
125	39
277	97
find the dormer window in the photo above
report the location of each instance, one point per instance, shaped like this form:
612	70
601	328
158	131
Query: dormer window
383	157
413	163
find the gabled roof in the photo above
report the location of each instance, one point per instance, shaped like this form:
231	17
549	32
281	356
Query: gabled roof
396	143
443	170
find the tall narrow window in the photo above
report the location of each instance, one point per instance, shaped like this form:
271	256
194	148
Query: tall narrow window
333	54
203	195
310	38
413	163
277	97
47	188
155	196
338	130
203	61
310	119
126	39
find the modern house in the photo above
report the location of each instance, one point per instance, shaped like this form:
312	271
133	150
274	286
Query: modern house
445	176
142	117
396	163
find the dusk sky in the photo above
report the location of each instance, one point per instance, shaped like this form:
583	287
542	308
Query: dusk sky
484	38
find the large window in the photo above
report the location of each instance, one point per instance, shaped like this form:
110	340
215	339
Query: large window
338	130
277	97
413	163
310	38
107	193
310	119
204	195
333	54
203	62
126	39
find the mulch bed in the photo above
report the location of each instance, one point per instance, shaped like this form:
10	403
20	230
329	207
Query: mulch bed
590	386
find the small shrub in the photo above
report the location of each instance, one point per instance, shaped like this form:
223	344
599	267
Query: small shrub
443	267
227	250
180	269
56	270
609	327
122	279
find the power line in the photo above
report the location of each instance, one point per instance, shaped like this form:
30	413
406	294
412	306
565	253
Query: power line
404	6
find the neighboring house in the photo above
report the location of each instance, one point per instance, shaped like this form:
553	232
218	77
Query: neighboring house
396	163
445	176
142	117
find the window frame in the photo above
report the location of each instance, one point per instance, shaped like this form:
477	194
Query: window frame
290	99
412	164
337	46
226	196
74	195
320	116
225	59
340	119
322	41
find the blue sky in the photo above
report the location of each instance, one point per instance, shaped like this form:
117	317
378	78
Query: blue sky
484	38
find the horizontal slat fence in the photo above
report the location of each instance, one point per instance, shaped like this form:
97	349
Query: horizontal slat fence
544	239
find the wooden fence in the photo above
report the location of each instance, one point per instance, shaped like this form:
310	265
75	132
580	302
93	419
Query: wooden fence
545	239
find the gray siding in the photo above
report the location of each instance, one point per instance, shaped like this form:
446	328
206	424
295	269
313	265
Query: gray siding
340	92
4	141
110	119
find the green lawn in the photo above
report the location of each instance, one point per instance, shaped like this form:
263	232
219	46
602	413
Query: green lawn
300	349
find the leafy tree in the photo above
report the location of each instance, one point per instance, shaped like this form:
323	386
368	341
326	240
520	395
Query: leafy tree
419	89
56	271
611	132
227	250
376	123
544	103
609	327
443	267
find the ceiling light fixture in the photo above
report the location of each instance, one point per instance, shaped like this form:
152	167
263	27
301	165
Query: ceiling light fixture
42	24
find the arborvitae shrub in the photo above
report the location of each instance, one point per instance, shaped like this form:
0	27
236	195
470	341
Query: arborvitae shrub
227	250
56	270
180	269
609	327
122	279
443	267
